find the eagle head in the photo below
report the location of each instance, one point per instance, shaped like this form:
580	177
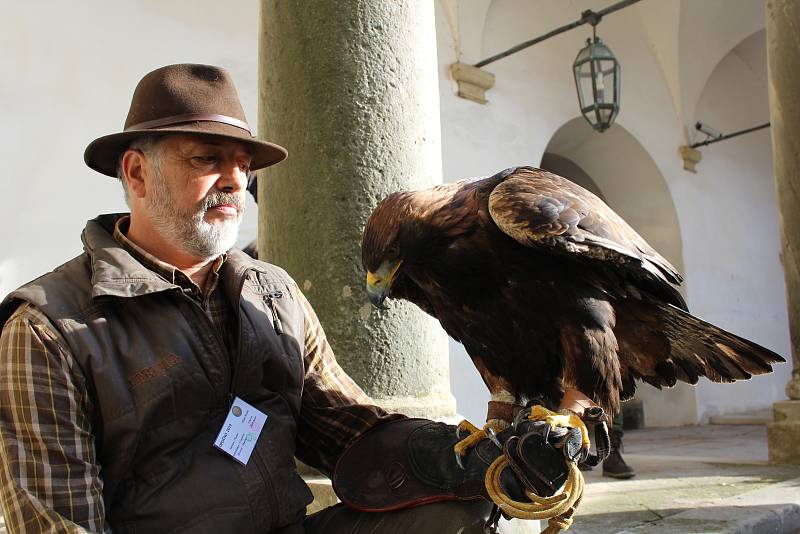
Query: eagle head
405	236
386	244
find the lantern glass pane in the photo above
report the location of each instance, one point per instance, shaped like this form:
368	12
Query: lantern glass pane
605	81
583	77
591	114
601	51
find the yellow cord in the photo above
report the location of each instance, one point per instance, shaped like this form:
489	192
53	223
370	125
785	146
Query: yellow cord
559	508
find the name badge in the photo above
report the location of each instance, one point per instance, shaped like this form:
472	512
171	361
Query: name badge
240	431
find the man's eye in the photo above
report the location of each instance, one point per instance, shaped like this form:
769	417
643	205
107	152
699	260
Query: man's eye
244	167
205	159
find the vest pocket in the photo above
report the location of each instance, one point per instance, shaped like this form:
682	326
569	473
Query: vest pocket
287	493
269	504
170	491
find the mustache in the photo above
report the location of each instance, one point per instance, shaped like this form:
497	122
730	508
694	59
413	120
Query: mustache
216	198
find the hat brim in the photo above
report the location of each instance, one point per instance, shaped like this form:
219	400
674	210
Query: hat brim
103	153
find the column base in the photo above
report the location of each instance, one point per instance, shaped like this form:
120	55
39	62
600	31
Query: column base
521	526
783	434
793	387
324	496
436	405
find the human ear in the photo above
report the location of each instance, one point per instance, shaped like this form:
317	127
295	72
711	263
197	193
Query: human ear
133	162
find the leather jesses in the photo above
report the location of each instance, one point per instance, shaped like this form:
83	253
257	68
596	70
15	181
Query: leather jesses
161	381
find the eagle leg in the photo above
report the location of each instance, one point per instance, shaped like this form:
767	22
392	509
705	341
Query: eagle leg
499	415
496	422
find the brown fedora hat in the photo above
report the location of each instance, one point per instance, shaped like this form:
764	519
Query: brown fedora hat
182	99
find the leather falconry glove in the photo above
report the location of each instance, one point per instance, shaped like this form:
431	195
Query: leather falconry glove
409	462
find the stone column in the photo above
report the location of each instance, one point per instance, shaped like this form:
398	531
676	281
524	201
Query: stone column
350	88
783	56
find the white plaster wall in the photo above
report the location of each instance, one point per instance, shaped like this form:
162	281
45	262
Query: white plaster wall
534	96
67	73
738	281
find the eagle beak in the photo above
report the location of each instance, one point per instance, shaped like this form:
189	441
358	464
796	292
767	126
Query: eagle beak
379	282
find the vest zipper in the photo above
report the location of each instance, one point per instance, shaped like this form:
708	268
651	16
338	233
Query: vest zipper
269	298
214	334
234	363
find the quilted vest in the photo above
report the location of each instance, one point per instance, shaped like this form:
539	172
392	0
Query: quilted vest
162	381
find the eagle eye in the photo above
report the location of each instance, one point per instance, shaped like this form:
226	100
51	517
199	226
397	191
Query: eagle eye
392	252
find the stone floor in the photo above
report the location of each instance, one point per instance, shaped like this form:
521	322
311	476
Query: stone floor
698	479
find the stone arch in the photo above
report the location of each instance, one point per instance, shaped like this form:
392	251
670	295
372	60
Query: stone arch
752	43
619	168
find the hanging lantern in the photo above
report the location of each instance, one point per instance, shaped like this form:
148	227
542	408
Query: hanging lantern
597	80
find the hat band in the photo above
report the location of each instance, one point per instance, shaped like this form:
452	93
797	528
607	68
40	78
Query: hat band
190	117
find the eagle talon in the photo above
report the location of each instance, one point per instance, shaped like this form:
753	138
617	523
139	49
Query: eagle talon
474	437
458	461
490	433
544	428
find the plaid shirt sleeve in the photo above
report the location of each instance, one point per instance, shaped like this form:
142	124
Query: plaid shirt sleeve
49	477
334	409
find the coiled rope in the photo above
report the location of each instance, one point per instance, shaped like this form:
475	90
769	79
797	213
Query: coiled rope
557	509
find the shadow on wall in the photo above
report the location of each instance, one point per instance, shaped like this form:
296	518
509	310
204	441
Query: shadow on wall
615	167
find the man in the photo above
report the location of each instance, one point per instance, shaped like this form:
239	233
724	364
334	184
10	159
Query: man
162	381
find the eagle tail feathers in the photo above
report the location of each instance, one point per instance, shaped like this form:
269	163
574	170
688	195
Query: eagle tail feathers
699	348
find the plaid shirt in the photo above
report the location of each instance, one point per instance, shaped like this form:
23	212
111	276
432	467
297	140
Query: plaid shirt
49	475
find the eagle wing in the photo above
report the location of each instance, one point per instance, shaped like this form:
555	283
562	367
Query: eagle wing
538	208
658	342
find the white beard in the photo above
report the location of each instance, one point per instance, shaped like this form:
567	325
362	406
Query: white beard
189	231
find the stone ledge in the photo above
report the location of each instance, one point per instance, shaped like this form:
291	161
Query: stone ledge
756	417
774	510
473	82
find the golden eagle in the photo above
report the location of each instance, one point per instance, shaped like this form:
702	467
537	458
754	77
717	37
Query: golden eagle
547	288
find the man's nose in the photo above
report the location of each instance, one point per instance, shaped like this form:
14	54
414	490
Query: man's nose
232	178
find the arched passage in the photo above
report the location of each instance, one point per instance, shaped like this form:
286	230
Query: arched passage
616	166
